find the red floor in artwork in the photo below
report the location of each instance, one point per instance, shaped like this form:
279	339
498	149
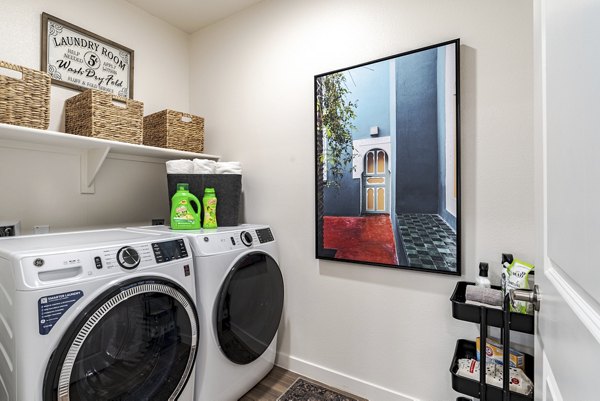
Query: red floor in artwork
368	238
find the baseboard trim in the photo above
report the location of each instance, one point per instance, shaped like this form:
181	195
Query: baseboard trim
342	381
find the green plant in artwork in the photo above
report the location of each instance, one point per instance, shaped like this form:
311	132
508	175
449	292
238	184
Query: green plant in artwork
335	116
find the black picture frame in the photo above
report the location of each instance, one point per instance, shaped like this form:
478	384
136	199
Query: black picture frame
387	161
79	59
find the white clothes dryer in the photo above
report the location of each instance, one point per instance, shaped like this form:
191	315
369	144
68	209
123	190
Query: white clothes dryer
240	293
97	315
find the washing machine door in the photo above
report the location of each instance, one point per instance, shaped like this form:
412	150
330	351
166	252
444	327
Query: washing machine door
136	342
249	306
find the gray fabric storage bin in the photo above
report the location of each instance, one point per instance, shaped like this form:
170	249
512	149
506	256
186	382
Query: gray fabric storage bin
228	189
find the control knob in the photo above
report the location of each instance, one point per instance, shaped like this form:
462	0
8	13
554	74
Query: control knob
246	238
128	258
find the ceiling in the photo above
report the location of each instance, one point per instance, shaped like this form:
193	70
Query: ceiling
192	15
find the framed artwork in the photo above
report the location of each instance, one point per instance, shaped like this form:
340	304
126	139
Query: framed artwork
388	162
79	59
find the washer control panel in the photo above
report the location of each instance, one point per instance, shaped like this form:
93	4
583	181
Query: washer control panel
129	257
41	270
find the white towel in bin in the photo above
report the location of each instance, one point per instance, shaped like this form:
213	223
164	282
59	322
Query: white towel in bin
203	166
180	167
228	168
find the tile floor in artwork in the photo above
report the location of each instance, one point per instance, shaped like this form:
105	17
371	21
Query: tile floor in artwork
428	240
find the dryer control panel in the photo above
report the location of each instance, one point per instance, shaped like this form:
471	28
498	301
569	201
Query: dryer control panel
234	240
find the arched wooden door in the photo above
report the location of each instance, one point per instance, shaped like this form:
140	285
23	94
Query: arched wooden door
376	182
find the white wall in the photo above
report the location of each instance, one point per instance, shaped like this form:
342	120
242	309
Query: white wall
43	188
375	331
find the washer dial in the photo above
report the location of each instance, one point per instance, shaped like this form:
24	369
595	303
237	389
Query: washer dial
128	258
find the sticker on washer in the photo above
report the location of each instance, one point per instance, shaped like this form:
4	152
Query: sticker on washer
53	307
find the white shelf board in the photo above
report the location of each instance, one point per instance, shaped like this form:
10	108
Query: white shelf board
53	138
93	151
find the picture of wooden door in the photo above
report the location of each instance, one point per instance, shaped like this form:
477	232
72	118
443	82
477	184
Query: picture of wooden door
376	182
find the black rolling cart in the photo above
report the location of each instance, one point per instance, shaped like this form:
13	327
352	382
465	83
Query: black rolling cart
504	319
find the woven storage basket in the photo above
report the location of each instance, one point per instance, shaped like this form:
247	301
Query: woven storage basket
175	130
25	101
92	113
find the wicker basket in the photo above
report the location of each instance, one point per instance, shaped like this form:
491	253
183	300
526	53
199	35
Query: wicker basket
92	113
25	101
175	130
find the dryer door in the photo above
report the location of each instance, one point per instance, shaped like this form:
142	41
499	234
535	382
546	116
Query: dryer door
249	307
136	342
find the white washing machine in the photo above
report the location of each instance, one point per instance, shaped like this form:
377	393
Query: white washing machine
97	315
240	292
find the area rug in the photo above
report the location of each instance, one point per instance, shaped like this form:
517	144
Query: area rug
305	390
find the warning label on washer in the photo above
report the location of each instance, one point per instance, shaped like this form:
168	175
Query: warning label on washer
53	307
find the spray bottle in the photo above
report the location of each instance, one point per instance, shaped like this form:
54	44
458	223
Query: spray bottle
482	280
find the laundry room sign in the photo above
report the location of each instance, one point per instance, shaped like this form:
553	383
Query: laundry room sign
79	59
53	307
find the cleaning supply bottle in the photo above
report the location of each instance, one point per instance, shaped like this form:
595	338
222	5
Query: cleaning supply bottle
483	280
183	216
209	203
507	259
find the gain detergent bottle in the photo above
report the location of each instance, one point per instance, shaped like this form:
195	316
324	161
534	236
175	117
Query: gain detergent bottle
209	200
183	216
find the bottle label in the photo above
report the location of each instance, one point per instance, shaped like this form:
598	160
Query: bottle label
183	214
210	212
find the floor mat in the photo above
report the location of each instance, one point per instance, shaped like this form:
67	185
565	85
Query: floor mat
306	390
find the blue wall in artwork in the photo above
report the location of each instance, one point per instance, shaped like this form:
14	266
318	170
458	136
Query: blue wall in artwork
417	153
369	88
370	85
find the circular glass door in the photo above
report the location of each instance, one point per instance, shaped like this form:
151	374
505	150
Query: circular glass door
137	342
249	307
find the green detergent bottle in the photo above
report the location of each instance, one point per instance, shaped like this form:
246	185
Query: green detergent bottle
209	201
183	216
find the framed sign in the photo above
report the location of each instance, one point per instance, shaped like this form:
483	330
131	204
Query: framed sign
78	59
388	162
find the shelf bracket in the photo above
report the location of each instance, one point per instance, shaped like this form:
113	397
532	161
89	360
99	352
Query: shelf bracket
90	161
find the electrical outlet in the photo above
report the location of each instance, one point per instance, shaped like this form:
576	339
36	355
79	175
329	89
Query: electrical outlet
7	231
10	228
